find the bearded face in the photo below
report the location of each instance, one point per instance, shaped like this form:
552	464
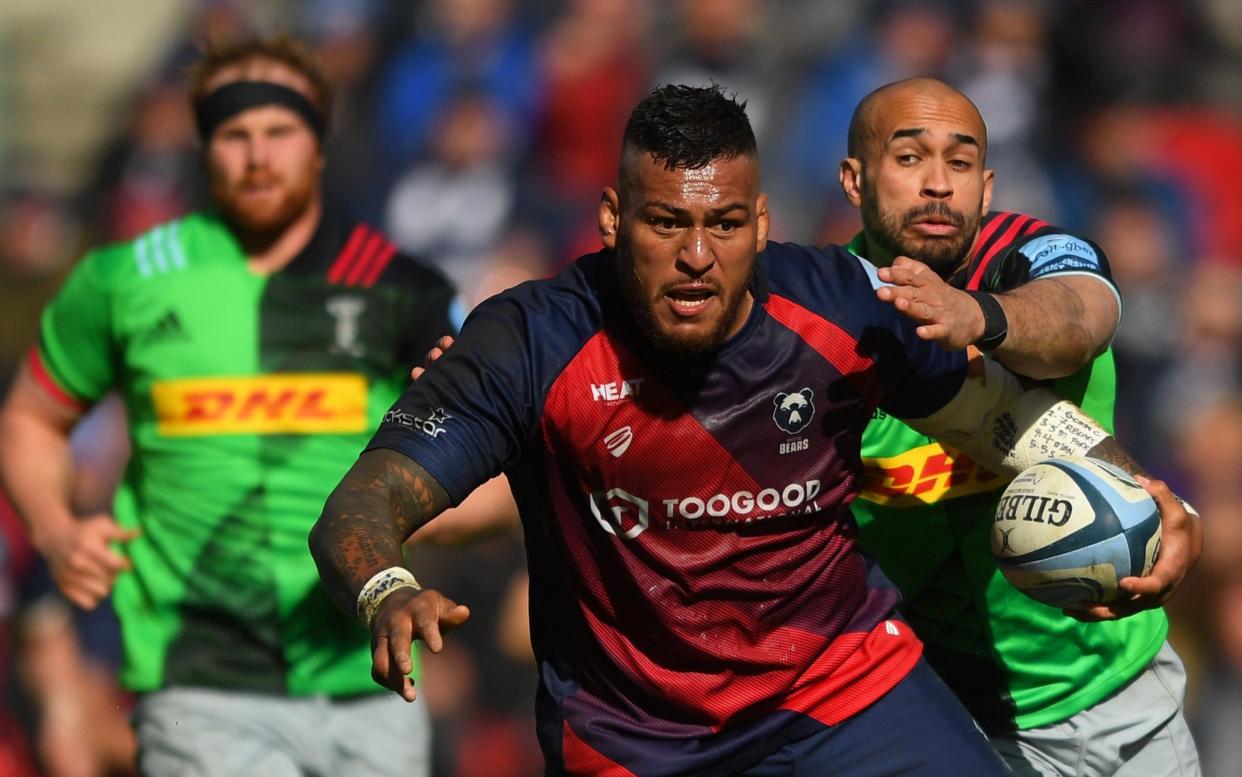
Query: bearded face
933	233
686	242
263	167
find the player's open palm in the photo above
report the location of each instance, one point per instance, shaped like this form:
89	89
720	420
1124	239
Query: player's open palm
83	558
405	615
945	315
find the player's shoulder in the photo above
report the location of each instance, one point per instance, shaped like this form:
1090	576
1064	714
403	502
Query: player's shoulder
803	271
1043	247
569	301
163	250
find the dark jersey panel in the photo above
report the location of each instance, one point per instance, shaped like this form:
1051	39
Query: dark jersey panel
694	578
914	377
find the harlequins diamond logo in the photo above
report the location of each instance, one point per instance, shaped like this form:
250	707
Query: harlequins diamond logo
794	411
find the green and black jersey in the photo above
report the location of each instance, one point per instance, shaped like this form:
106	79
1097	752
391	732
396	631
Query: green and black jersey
249	396
925	514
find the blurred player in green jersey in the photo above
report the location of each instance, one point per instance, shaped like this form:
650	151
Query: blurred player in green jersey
255	348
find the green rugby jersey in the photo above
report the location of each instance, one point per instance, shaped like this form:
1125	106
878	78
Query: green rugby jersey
248	398
925	514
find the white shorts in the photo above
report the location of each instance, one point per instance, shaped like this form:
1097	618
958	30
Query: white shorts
1139	731
203	732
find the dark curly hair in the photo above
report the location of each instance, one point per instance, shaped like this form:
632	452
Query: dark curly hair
686	127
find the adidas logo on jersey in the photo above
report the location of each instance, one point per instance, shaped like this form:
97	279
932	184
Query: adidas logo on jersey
167	328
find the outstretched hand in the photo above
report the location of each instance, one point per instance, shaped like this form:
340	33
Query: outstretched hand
1181	542
437	350
404	616
949	317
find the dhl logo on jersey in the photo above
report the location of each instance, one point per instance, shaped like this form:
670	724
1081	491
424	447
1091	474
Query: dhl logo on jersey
927	474
280	403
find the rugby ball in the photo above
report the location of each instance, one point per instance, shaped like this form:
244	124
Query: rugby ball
1067	530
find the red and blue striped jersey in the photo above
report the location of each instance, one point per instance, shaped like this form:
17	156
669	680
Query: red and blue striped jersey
696	592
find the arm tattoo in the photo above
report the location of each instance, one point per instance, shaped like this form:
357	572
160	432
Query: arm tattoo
1108	450
381	501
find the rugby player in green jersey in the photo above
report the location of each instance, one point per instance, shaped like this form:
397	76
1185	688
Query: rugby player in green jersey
255	348
1087	693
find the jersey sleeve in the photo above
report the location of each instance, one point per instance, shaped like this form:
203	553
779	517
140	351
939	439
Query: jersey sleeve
1046	254
916	376
470	414
76	348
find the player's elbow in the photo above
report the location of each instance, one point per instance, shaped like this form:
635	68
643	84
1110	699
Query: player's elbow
320	539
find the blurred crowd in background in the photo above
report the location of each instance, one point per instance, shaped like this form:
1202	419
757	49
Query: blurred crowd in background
479	133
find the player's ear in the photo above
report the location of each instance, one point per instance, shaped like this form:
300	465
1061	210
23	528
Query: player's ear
988	176
609	217
762	222
850	176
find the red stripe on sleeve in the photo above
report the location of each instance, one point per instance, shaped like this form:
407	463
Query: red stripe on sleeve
1006	239
829	341
986	235
348	254
45	380
377	267
366	256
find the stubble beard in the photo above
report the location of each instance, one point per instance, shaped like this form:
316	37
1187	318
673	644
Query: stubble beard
944	257
642	305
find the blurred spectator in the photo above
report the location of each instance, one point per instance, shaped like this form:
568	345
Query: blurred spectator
595	67
348	47
69	79
722	41
153	174
453	206
38	237
1005	72
1207	359
477	45
1143	249
66	702
900	39
1210	448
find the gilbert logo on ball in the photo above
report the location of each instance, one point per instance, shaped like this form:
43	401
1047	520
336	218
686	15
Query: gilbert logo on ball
1067	530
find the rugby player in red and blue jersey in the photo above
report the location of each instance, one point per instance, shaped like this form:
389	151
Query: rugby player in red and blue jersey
680	416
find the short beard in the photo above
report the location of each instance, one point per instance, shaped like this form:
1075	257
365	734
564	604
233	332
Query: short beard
258	229
642	307
943	256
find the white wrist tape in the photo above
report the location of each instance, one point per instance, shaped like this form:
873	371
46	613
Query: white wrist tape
1007	429
379	587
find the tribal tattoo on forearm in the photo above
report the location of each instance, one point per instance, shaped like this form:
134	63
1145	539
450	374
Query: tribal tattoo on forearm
383	499
1108	450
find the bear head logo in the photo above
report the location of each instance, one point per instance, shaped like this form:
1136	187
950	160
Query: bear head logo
793	411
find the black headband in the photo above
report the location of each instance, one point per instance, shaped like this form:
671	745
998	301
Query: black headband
231	99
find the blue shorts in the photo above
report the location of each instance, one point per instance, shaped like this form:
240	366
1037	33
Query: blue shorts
917	728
